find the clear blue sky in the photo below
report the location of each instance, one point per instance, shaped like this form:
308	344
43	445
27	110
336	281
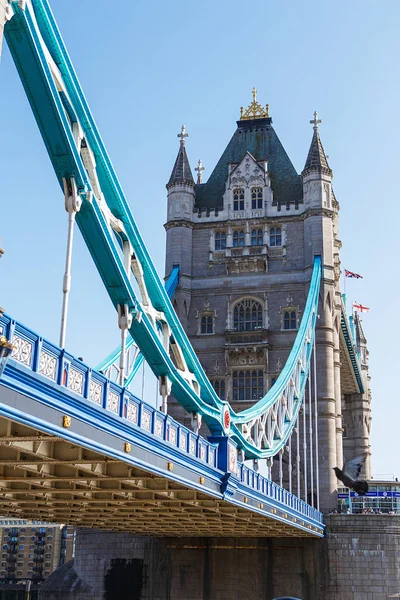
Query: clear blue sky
148	67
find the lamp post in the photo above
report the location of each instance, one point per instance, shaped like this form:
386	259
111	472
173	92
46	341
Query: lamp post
5	350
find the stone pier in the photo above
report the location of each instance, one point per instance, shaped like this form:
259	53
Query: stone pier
358	560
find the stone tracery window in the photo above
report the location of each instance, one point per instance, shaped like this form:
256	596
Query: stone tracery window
256	197
207	324
238	239
219	387
248	384
289	319
238	199
248	315
257	237
275	236
220	240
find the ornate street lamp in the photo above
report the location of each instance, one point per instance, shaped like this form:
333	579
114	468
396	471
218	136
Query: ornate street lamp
5	350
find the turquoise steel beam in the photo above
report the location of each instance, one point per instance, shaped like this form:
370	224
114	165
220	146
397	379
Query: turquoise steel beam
113	357
77	152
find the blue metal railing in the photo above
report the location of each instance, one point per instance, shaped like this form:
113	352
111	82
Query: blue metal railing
54	366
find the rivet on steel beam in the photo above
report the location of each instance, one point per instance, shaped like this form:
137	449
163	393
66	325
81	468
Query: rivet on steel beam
66	421
127	447
170	466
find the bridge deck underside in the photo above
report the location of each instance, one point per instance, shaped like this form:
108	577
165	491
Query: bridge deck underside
47	478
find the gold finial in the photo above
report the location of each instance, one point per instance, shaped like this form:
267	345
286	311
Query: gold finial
255	110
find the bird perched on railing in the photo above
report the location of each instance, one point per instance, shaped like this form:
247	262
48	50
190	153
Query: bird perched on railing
349	475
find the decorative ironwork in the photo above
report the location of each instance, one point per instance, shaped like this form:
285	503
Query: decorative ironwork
48	365
172	435
22	351
203	452
146	420
158	430
132	412
112	401
95	390
183	441
192	446
211	455
75	381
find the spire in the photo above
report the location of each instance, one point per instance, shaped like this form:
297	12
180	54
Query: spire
181	172
200	170
316	159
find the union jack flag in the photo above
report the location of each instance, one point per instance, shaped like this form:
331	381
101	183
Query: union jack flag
352	275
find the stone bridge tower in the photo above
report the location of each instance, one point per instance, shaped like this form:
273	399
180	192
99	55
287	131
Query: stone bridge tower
245	242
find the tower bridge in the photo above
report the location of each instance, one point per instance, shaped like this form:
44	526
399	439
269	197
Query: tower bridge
263	376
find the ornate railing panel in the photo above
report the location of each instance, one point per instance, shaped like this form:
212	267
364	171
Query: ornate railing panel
106	403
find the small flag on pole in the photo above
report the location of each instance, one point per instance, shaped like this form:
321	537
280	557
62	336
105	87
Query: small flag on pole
360	307
352	275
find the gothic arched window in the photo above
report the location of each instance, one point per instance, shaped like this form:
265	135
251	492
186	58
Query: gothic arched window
256	197
220	240
238	199
248	385
275	236
289	319
247	315
238	239
219	387
206	324
257	237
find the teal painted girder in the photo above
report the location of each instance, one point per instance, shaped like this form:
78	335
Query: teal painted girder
40	56
113	357
351	347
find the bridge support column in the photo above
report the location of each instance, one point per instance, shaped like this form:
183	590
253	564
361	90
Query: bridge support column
326	407
338	398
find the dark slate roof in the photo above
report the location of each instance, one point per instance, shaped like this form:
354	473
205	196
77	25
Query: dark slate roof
316	159
258	137
181	172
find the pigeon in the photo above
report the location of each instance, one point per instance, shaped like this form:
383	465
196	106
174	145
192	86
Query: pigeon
349	474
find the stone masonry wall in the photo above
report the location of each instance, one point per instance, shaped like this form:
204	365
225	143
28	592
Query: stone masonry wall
358	560
364	557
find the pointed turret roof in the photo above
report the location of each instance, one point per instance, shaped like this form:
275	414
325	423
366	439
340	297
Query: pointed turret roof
255	135
316	159
181	173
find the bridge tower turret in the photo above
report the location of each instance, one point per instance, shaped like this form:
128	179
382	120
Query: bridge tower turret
179	227
320	237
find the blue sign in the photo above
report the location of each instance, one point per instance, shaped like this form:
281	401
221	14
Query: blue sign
371	495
